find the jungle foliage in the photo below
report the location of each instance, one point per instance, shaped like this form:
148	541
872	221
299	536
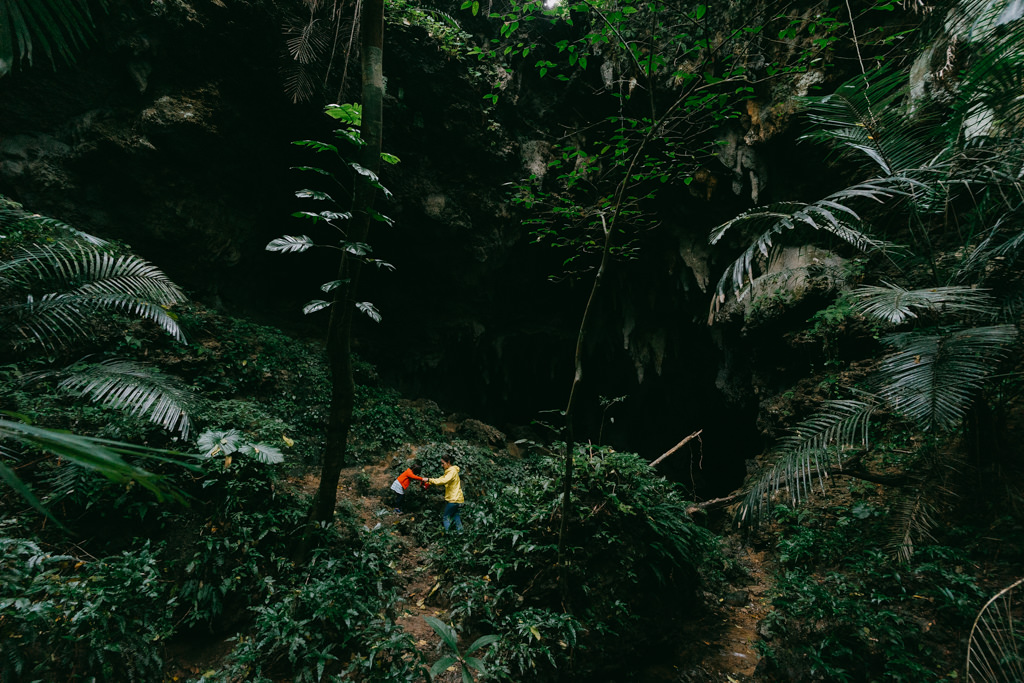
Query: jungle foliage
872	584
215	559
949	320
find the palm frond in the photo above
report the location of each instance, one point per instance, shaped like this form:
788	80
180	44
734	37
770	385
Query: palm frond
1002	244
13	216
89	270
822	440
444	17
301	81
307	41
912	520
990	167
62	283
59	28
932	378
895	305
1011	248
866	120
995	647
132	387
831	214
990	98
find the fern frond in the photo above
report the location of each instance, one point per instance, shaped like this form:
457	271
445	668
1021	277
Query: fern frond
59	28
995	647
895	305
831	214
933	378
134	388
822	440
63	283
307	41
913	519
866	118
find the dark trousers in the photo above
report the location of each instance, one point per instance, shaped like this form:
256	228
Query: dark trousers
451	513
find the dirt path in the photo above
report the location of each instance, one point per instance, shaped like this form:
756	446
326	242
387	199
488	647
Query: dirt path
734	648
411	564
716	646
719	645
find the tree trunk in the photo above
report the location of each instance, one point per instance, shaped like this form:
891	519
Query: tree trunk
339	334
568	433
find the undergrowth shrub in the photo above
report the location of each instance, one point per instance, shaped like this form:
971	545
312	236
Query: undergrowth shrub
382	421
332	616
845	610
222	565
68	619
240	532
635	557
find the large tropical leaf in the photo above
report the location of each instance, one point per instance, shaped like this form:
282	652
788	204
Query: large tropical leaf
57	28
933	377
134	388
62	284
100	455
446	632
290	243
822	440
226	443
867	121
833	215
995	648
893	304
482	642
13	216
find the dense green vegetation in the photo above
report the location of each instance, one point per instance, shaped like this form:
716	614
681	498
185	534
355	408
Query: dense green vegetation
160	459
217	559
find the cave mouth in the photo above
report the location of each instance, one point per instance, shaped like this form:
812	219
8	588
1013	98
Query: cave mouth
523	389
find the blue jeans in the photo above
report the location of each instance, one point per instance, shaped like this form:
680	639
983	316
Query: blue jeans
451	512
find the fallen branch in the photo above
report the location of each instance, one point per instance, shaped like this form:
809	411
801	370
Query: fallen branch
676	447
711	504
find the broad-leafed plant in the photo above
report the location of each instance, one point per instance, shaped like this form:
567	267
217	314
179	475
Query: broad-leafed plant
465	659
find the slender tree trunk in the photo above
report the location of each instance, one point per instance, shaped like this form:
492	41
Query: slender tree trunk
568	434
339	334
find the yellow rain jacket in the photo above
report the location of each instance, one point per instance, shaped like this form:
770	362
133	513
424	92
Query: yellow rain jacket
452	485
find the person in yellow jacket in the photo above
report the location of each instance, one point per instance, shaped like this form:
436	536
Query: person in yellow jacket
452	493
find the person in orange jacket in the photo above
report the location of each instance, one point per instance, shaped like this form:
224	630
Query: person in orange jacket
401	483
452	493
